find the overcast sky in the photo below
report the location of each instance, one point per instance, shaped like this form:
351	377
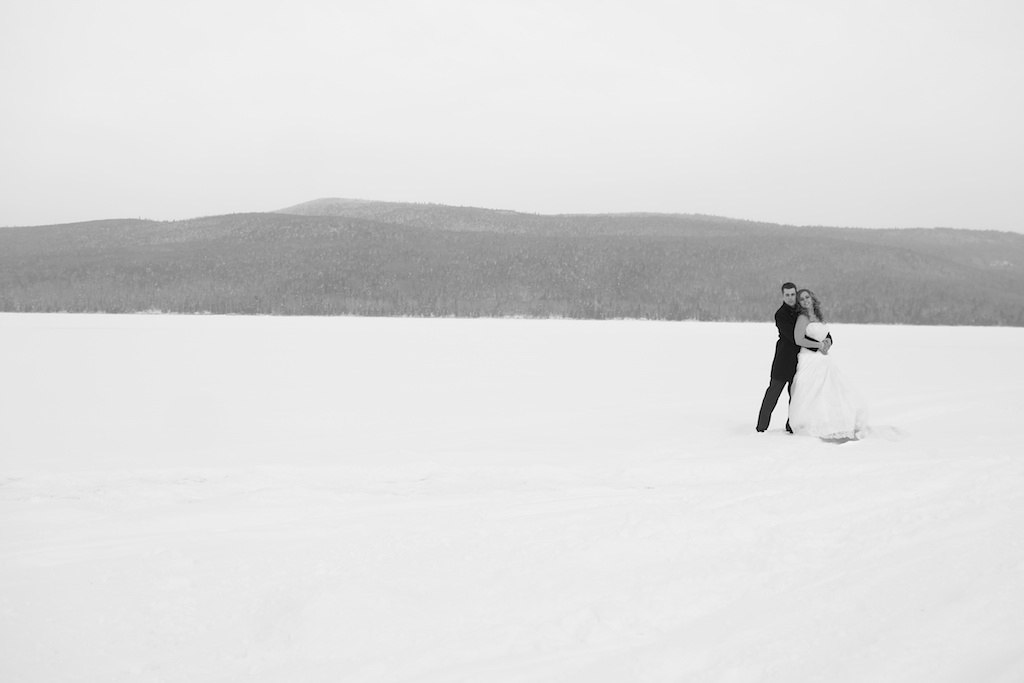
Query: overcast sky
891	113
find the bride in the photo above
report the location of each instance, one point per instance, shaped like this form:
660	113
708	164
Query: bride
824	404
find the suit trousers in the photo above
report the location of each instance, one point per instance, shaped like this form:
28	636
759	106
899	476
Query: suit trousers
771	397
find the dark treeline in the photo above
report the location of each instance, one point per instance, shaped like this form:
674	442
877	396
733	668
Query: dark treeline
409	260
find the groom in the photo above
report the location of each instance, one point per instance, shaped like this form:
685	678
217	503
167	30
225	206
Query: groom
784	363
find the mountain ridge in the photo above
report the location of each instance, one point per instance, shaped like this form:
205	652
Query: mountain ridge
380	258
333	206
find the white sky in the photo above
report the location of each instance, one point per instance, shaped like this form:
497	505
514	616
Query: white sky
893	113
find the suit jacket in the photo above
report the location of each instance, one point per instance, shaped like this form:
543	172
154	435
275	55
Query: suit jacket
786	349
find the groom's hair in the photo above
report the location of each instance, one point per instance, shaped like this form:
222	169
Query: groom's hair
788	285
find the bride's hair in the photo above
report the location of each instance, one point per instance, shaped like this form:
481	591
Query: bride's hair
815	304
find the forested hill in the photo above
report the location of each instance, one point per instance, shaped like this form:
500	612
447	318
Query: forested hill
333	257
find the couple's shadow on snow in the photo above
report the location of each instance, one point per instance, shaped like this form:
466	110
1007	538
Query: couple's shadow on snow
839	440
880	432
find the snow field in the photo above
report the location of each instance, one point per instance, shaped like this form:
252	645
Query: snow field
265	499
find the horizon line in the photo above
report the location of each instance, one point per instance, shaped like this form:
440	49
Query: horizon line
284	211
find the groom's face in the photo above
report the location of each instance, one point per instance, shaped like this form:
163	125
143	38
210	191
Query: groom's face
789	297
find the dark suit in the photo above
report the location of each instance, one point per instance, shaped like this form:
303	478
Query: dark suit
783	365
786	350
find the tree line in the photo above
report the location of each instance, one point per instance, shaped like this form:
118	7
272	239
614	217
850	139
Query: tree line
282	264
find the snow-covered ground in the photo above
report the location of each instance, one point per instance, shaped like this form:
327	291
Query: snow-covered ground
346	499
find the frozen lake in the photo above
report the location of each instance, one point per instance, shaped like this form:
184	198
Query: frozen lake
357	499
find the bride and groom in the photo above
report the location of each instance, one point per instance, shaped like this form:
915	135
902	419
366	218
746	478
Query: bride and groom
822	403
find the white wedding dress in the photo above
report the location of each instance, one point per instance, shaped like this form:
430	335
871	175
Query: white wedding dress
824	403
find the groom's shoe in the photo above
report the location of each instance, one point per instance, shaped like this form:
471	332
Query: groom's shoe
759	429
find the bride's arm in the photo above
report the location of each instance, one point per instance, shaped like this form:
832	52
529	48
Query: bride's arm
800	331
